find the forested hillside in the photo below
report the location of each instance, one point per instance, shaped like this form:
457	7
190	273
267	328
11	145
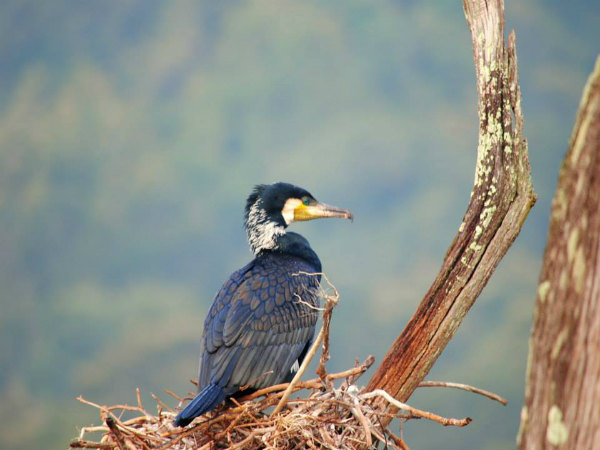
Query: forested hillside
131	133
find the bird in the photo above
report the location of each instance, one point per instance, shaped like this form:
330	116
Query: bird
262	320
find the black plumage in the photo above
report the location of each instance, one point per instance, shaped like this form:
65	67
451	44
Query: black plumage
262	320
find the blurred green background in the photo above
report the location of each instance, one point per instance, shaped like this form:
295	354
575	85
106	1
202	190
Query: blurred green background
132	131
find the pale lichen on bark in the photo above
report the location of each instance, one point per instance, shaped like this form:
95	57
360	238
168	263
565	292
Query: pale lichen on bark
543	290
557	432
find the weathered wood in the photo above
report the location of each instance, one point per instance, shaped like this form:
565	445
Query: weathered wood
500	201
562	396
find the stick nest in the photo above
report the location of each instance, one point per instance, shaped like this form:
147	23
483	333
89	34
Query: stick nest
329	417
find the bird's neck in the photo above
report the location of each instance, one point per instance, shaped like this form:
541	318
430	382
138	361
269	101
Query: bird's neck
295	245
264	236
262	231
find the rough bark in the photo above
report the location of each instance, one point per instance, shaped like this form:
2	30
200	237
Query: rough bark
500	201
562	396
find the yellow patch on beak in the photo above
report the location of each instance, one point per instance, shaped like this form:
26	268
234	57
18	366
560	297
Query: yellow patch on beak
303	212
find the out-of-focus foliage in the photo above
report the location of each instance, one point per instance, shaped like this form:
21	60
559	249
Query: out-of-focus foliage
131	132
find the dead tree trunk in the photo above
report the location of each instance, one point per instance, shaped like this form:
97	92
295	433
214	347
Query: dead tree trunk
562	396
500	201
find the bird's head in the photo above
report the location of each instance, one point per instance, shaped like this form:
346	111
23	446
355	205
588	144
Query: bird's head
270	208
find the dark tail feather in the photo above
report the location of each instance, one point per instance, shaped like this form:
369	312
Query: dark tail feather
207	399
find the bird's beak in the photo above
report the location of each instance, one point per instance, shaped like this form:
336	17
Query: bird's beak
320	211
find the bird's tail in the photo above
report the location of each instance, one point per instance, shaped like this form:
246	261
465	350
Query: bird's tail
207	399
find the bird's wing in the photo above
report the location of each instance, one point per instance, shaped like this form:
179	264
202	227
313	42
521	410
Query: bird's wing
258	326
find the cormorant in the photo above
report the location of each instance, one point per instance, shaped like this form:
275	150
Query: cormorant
262	320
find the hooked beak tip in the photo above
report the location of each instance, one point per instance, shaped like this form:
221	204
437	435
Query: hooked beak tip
341	213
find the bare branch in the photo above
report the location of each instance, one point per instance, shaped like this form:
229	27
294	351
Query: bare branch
464	387
417	412
500	201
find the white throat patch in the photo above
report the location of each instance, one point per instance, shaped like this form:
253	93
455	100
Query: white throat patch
288	209
262	232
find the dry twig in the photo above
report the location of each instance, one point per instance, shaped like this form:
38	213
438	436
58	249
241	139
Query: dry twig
464	387
330	302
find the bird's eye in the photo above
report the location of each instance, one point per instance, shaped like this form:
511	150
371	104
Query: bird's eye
305	200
